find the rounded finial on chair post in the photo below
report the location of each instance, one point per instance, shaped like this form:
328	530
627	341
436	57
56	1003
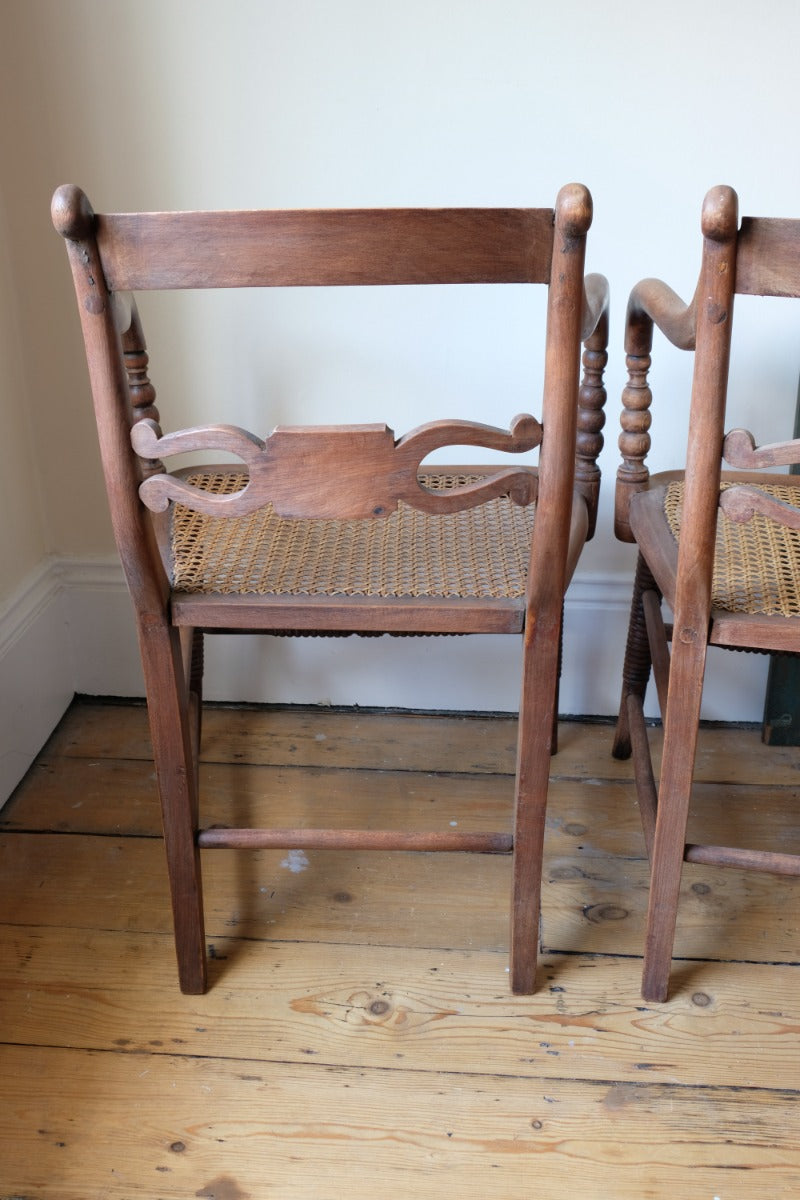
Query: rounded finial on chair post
720	219
574	209
71	212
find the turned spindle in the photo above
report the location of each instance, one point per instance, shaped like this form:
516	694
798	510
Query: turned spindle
591	419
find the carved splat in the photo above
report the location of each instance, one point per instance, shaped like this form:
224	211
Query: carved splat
341	471
741	503
740	450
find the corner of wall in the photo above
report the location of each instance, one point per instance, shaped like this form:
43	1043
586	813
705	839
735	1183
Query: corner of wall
35	672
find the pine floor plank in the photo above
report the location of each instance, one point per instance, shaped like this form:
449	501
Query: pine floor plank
415	1010
118	796
84	1125
407	741
301	737
359	1037
592	906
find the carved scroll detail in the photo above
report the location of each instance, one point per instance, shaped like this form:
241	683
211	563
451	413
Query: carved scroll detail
741	503
345	471
740	450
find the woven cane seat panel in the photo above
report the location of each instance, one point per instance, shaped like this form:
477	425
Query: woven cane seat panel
479	552
756	563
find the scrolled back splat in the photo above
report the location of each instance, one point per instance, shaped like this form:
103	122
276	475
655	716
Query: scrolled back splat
339	471
740	450
741	503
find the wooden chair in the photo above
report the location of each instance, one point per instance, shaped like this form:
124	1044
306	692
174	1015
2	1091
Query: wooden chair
721	547
333	529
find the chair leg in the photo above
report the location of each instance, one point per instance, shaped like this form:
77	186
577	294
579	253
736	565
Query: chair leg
637	663
173	732
534	748
197	665
554	738
677	769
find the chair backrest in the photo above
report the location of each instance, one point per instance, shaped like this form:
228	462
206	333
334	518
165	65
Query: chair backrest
759	257
113	255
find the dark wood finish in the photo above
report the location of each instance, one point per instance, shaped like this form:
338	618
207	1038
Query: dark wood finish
358	614
592	394
748	860
768	258
760	258
340	473
221	838
329	248
646	789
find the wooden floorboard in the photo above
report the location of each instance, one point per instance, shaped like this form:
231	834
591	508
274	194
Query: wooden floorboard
408	1009
359	1038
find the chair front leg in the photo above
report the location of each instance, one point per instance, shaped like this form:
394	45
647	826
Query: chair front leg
681	722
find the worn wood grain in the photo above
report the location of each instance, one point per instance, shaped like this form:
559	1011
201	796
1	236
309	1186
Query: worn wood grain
235	1131
340	472
595	905
359	1033
587	815
304	737
416	1010
333	248
398	741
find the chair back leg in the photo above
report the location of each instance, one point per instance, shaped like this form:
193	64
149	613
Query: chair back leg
681	723
174	729
638	662
535	742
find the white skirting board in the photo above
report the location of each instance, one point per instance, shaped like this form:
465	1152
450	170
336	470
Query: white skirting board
36	677
70	629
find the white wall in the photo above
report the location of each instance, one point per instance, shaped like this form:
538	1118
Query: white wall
22	539
190	103
34	688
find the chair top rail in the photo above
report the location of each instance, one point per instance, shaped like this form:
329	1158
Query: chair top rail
333	247
768	257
